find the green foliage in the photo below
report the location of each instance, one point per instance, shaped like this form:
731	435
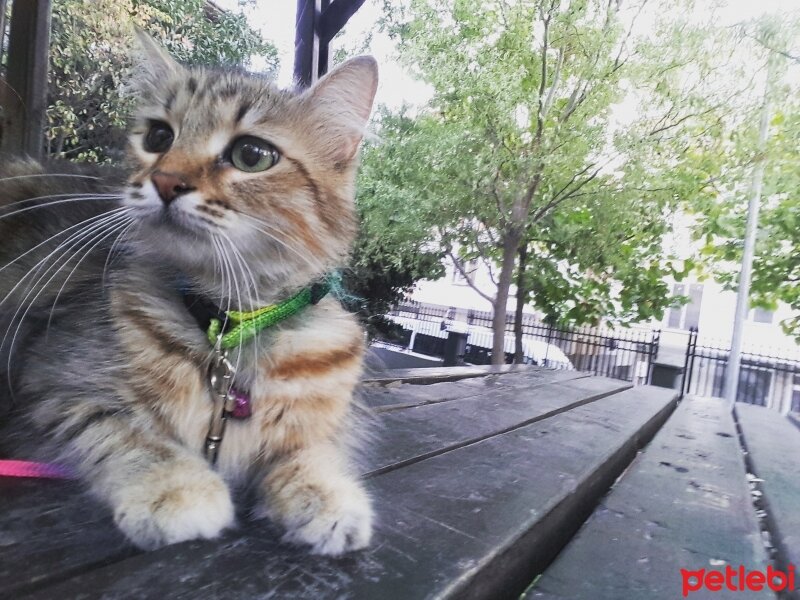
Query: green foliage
525	158
721	217
391	252
520	151
92	52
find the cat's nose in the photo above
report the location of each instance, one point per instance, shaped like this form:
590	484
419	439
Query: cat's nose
170	186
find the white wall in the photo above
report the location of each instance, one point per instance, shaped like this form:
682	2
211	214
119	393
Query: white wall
716	321
452	290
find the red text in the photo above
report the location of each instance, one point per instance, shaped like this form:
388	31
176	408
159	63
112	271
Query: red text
739	580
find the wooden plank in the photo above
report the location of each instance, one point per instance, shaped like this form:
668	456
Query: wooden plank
474	522
84	528
423	431
438	374
684	503
50	529
397	395
773	454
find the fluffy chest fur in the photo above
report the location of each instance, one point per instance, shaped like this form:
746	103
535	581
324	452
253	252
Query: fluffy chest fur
299	376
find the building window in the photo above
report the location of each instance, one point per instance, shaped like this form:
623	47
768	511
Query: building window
761	315
796	393
469	267
687	315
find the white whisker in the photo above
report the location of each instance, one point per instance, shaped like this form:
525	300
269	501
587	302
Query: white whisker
68	195
314	265
4	179
63	231
246	272
98	233
86	229
114	246
62	201
238	298
116	226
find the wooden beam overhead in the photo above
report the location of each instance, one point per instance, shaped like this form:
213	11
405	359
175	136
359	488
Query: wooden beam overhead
306	49
23	95
317	22
335	17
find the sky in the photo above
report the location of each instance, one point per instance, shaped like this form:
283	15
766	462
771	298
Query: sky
275	20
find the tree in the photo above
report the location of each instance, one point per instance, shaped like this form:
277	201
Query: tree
721	219
91	54
525	166
391	252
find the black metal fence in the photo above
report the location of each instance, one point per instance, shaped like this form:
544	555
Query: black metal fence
764	379
625	354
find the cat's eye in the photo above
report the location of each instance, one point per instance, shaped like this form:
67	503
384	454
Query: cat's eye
159	137
252	154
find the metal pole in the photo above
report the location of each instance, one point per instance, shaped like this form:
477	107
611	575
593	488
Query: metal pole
743	292
306	42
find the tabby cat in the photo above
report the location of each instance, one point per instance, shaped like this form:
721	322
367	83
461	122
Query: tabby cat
239	196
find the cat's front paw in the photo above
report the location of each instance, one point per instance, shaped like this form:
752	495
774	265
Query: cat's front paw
173	505
332	521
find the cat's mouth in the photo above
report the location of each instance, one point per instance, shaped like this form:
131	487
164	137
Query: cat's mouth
170	217
182	222
176	215
170	220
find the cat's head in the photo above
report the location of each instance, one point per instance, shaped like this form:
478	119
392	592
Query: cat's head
225	163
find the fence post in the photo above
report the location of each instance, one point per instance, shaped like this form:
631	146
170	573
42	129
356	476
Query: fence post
411	339
655	343
23	94
455	347
688	365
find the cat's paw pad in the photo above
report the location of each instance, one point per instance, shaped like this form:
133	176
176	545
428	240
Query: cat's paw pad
179	507
341	522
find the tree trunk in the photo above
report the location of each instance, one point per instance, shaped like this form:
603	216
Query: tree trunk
511	240
519	353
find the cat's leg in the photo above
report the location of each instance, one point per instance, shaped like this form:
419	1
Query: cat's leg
160	492
314	496
307	426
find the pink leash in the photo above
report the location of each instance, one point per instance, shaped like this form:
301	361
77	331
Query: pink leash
26	468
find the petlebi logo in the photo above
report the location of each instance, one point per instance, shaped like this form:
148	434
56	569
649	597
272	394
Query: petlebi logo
738	580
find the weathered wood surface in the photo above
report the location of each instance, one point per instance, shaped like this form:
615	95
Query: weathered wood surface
419	432
773	454
48	530
387	394
493	484
52	530
438	374
684	503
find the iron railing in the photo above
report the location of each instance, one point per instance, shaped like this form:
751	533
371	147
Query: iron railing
626	354
765	379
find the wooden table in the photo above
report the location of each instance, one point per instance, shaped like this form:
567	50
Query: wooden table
482	477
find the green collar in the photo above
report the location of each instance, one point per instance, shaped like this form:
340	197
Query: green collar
233	328
246	325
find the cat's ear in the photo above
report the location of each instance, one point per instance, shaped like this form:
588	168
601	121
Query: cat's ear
343	100
155	63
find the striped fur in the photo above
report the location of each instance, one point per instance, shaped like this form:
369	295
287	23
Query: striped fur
108	365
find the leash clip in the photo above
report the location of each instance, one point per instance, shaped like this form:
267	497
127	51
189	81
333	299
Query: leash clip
220	379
